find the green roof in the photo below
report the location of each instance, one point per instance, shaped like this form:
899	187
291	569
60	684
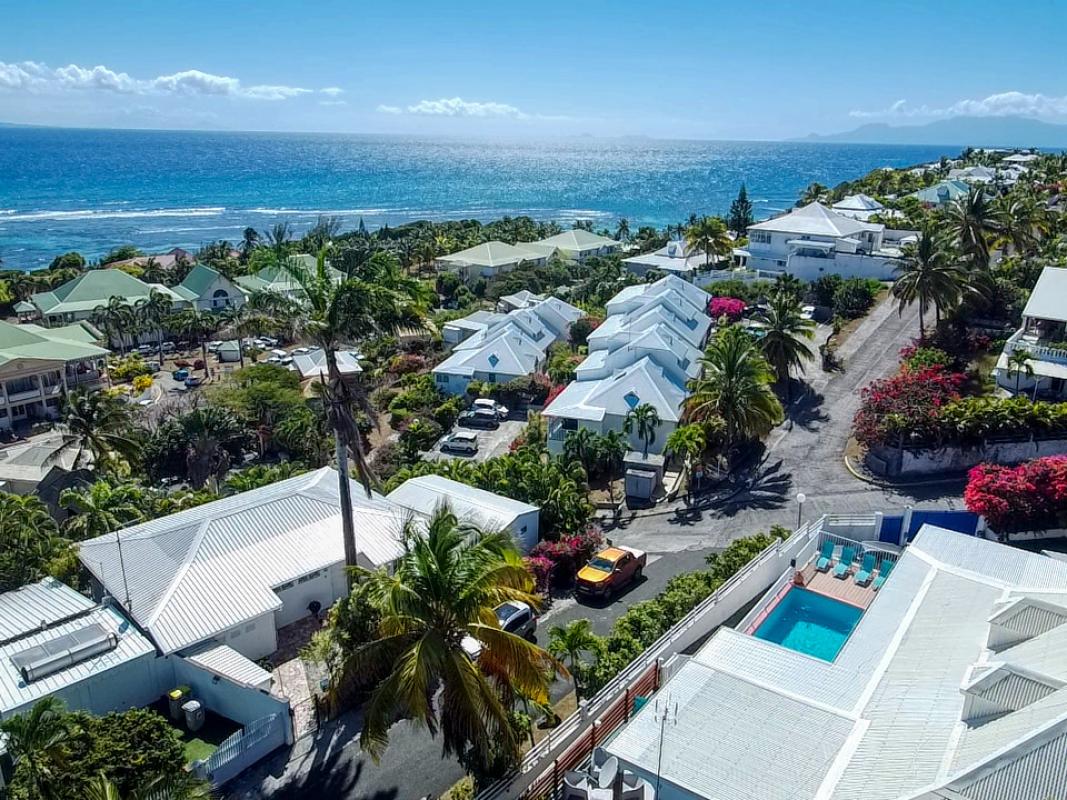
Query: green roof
24	307
19	341
89	290
198	280
82	331
276	278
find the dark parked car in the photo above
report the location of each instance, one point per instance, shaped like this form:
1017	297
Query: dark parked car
192	382
479	419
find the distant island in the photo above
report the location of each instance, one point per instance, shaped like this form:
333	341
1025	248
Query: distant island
957	131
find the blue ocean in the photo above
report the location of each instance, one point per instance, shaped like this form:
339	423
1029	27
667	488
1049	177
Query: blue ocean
90	190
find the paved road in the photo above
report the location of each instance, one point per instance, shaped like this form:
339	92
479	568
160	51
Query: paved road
804	454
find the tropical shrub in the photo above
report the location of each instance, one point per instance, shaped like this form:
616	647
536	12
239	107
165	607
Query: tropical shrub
906	404
1030	496
916	358
529	389
31	546
128	368
448	412
142	383
418	436
730	307
406	363
581	328
566	555
855	296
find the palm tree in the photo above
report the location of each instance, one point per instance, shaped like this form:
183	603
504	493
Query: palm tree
1020	220
155	311
645	418
440	597
582	446
1019	365
36	741
241	321
783	343
377	299
278	238
611	453
102	508
249	242
622	230
688	442
116	319
814	193
185	787
98	429
568	643
197	325
209	432
927	275
735	385
710	235
970	219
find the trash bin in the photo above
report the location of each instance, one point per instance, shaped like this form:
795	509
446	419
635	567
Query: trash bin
175	698
194	715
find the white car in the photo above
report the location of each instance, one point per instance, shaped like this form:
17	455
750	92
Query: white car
484	404
460	442
807	312
300	351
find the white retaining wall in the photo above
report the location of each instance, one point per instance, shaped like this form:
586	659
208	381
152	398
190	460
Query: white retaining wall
955	459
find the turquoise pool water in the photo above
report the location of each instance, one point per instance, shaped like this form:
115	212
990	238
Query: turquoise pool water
810	623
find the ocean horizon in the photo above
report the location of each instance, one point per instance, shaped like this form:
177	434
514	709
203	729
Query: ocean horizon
91	190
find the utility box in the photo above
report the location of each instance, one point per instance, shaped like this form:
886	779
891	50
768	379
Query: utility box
194	715
176	698
640	484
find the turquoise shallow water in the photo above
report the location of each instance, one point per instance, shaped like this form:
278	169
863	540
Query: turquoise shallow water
89	190
810	623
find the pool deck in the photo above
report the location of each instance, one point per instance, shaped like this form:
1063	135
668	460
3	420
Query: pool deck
843	589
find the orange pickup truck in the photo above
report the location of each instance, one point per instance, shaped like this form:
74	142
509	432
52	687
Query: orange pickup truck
610	570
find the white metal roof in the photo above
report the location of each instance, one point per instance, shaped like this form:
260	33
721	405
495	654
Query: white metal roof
640	383
900	677
37	606
577	241
494	254
226	662
486	510
857	202
16	694
311	365
194	574
815	219
1048	300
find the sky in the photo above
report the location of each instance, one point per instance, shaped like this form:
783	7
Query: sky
669	69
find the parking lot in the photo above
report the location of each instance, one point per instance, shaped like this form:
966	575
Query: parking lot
491	443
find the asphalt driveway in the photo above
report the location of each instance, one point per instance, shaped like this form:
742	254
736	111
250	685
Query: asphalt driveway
491	443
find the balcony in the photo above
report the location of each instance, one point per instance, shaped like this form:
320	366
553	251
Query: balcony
1038	348
19	397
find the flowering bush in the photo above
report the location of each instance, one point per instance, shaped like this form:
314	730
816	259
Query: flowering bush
541	567
1031	496
569	553
915	357
907	403
142	383
554	392
406	363
729	307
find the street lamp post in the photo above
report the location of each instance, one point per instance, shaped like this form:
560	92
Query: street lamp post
801	497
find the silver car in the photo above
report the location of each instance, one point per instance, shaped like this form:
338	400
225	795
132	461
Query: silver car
461	442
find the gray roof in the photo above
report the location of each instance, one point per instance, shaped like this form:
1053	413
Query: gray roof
886	720
1048	300
37	606
226	662
199	572
486	510
815	219
640	383
309	365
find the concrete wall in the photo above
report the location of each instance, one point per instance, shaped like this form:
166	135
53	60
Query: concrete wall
297	596
240	703
526	529
892	462
253	639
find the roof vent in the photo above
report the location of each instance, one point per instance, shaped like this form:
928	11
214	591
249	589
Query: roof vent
632	400
1022	619
64	651
493	360
1001	689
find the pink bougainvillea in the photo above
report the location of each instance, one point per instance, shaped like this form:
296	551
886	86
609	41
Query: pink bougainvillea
729	307
567	554
1031	496
905	404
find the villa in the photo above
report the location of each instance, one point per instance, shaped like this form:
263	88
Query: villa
38	364
236	570
207	289
815	240
942	193
78	298
312	365
858	206
497	348
674	258
279	280
521	299
488	511
976	174
578	245
489	259
936	673
1043	337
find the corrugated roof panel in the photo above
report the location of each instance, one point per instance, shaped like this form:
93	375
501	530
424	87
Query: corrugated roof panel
981	741
227	662
1035	775
38	605
1017	568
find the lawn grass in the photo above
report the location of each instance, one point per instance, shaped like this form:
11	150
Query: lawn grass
199	745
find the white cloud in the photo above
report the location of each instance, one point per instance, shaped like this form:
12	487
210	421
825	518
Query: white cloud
36	77
333	102
332	91
458	107
1003	104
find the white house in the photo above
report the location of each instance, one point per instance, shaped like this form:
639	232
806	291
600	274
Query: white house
578	244
814	240
683	320
975	174
1020	158
503	347
489	259
1043	337
313	364
488	511
603	405
455	331
858	206
521	299
948	682
55	642
633	297
674	258
207	289
235	570
667	349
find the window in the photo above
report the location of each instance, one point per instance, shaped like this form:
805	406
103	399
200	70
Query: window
491	377
285	586
760	237
569	424
3	413
440	377
250	627
309	577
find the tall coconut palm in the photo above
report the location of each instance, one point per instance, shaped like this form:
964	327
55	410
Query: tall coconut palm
927	275
209	432
687	442
568	643
710	235
238	322
99	430
622	230
249	242
155	311
971	219
36	741
735	385
1020	222
1019	365
278	238
645	420
116	318
375	300
197	325
29	540
102	507
439	600
783	344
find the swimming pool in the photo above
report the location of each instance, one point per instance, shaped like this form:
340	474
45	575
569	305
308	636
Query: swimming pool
810	623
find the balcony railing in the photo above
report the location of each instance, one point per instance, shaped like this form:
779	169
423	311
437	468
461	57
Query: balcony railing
1035	349
29	394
